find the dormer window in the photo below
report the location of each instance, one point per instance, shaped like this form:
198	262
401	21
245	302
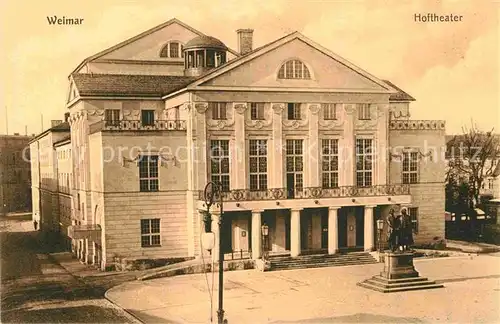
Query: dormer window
294	69
172	50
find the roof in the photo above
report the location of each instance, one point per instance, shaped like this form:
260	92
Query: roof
66	139
205	41
400	95
276	43
139	36
128	85
62	127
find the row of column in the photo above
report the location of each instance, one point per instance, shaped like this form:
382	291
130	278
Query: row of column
295	244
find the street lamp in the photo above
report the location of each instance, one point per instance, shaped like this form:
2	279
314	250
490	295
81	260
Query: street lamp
380	228
212	192
265	233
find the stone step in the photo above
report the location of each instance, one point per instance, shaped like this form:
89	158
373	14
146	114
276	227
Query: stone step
399	285
399	289
401	280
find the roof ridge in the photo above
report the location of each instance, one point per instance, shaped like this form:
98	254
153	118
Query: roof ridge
134	38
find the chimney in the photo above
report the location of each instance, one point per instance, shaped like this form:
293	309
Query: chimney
245	40
66	117
54	123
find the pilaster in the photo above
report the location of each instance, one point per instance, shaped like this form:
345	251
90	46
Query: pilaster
277	177
312	158
239	165
382	144
200	160
347	147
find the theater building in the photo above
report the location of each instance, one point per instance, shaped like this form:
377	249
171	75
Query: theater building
299	138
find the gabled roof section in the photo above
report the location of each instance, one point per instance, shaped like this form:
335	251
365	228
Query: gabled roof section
60	128
141	35
400	95
123	85
279	42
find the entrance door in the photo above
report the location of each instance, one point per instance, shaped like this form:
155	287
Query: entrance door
324	230
351	229
342	224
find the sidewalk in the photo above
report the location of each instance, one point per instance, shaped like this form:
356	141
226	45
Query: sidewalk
320	295
472	247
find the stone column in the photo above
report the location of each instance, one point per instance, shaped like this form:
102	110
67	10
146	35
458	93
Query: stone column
312	158
256	234
333	240
348	147
295	233
276	148
369	237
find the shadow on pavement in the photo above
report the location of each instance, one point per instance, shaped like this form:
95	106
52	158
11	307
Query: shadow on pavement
360	318
78	314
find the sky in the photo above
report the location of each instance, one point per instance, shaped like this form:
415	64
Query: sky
451	68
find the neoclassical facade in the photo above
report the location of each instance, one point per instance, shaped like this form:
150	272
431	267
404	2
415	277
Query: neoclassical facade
299	139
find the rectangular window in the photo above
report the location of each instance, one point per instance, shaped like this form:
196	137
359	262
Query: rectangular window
219	110
148	173
258	164
112	117
219	161
147	117
410	167
330	111
257	110
490	183
293	111
294	164
364	111
330	163
413	212
364	162
150	232
174	49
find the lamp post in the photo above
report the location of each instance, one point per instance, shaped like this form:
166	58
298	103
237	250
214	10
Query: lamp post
380	228
265	233
213	191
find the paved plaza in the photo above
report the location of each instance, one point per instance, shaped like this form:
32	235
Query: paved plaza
325	295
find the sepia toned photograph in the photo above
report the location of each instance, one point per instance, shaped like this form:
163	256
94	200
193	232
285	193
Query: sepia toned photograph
279	161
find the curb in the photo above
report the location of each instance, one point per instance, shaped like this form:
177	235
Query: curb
129	314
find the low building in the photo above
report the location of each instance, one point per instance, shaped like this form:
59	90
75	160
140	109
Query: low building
299	139
15	178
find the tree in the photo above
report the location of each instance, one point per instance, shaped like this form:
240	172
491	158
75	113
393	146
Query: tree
473	156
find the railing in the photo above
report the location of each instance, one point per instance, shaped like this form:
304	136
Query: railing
238	255
125	125
314	193
417	124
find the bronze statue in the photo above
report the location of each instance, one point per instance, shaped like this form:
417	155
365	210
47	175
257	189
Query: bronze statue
394	231
406	230
400	234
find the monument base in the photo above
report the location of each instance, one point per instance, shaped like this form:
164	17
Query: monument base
398	275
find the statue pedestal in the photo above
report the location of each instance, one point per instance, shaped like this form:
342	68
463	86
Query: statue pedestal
399	265
398	275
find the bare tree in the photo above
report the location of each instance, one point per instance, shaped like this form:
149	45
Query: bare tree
474	156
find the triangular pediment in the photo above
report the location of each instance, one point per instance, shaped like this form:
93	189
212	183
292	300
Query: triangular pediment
261	68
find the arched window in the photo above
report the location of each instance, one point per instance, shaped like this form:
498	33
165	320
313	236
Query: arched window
294	69
172	50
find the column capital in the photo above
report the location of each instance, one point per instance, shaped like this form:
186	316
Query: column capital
334	208
296	209
257	211
370	206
